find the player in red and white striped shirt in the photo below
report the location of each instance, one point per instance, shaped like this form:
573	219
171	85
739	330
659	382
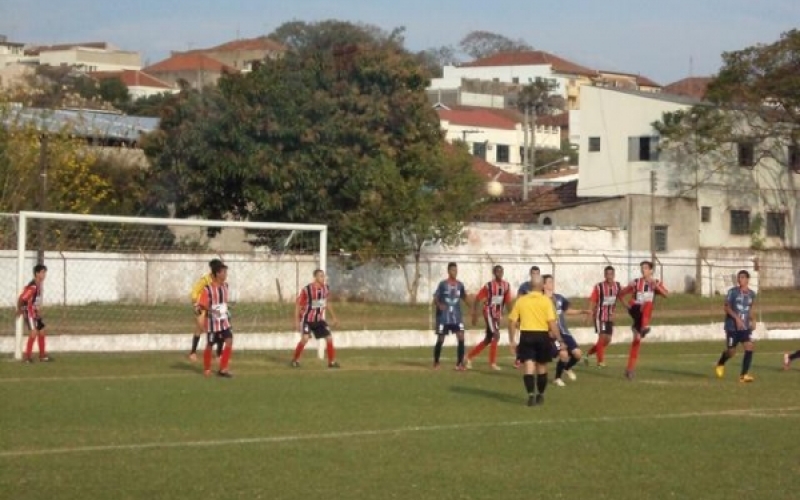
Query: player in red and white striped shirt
28	306
215	319
310	310
603	303
495	296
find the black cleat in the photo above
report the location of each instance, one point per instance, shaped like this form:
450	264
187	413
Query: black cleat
334	364
225	374
539	399
295	364
531	400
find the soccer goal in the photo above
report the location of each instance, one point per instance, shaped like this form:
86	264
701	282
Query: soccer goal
130	277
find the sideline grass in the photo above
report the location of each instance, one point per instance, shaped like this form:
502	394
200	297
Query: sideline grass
386	426
773	306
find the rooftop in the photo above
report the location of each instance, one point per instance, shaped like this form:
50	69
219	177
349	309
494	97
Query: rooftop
132	78
541	199
694	87
532	58
258	43
478	117
35	51
188	61
85	123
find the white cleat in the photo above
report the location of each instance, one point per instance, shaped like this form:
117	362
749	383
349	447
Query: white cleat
571	375
559	382
468	364
496	368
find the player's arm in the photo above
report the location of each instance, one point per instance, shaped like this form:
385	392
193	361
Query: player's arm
552	324
594	301
624	292
477	302
513	323
662	290
299	304
203	302
25	297
334	317
731	311
750	321
437	299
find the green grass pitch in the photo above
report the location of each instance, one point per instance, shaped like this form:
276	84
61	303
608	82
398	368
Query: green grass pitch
385	426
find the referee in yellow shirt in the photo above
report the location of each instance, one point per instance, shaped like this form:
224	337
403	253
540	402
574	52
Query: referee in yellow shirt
534	316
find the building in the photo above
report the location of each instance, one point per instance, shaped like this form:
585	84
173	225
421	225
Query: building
495	135
139	83
89	57
194	69
243	54
521	68
694	87
11	52
629	81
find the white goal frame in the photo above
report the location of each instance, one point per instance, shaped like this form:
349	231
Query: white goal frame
23	274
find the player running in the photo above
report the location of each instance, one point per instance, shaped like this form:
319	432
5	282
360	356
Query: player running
603	304
29	307
215	319
310	310
448	297
788	358
567	351
194	295
643	291
739	326
495	296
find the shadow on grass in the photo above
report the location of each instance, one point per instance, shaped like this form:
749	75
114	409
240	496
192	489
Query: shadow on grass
483	393
680	373
188	367
415	364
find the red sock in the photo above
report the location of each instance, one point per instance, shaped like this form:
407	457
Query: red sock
633	355
330	349
207	357
601	351
226	357
593	349
29	347
298	351
40	339
493	353
476	350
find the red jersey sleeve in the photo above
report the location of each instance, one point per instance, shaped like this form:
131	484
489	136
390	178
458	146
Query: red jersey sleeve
302	298
483	294
594	297
627	289
26	295
661	289
507	295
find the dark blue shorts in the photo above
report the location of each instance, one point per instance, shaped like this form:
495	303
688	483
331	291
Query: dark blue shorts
734	338
444	329
219	337
569	344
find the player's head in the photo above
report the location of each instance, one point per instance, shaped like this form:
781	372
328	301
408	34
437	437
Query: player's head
219	271
452	270
319	276
609	274
40	272
647	268
548	282
743	278
214	262
498	272
535	271
537	282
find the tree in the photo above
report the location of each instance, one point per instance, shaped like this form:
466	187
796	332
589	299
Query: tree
331	33
434	59
114	92
344	137
479	44
147	106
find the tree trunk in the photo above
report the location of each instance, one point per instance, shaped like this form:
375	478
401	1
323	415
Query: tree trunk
412	282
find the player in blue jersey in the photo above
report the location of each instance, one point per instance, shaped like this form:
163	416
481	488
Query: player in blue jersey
525	287
449	318
739	326
567	352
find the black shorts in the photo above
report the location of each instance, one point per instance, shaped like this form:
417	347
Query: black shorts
638	320
492	329
604	327
319	329
219	337
445	329
734	338
536	347
34	323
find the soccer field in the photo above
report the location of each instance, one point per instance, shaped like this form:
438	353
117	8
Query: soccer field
150	426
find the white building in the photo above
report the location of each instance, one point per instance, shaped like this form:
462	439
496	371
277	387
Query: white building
11	52
495	135
90	57
139	83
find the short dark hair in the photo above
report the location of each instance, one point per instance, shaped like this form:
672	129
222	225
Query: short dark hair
496	268
317	271
39	268
534	268
214	262
546	277
743	273
608	268
451	265
218	266
647	263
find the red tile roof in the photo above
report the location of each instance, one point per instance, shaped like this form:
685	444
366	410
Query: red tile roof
132	78
189	61
478	117
541	199
532	58
559	120
259	43
695	87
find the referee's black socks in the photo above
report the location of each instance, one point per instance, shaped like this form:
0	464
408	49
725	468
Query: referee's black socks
541	382
530	386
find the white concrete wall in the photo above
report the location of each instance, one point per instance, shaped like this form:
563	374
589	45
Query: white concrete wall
137	92
92	59
452	75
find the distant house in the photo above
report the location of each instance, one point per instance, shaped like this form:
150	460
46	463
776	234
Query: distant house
694	87
629	81
11	52
196	69
87	56
244	54
139	83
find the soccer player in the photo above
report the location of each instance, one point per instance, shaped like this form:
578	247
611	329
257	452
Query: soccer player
28	306
643	291
535	317
309	311
525	287
194	295
448	297
567	351
495	296
603	303
788	358
739	326
214	318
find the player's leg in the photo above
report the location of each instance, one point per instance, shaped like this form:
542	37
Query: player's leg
305	335
543	356
604	339
226	342
525	356
461	348
633	352
493	344
574	355
330	350
32	332
747	360
41	339
480	346
562	356
441	333
731	342
198	332
211	339
788	358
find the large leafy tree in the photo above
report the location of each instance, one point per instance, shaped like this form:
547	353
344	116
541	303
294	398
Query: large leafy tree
341	134
479	44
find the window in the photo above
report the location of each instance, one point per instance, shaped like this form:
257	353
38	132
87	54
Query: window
502	153
746	154
660	238
594	144
740	222
794	158
515	80
643	148
705	214
479	149
776	224
522	155
547	221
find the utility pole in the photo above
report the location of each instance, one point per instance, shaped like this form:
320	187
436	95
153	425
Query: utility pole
653	216
43	144
525	153
532	154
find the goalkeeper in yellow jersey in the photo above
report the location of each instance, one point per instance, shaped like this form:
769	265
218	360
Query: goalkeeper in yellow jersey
194	295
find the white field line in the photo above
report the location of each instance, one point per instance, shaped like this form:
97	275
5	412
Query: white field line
762	412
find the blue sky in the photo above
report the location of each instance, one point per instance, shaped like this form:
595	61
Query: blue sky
655	38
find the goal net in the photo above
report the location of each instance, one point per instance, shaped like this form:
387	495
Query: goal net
130	276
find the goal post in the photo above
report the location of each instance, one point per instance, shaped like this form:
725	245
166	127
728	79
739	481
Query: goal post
117	274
